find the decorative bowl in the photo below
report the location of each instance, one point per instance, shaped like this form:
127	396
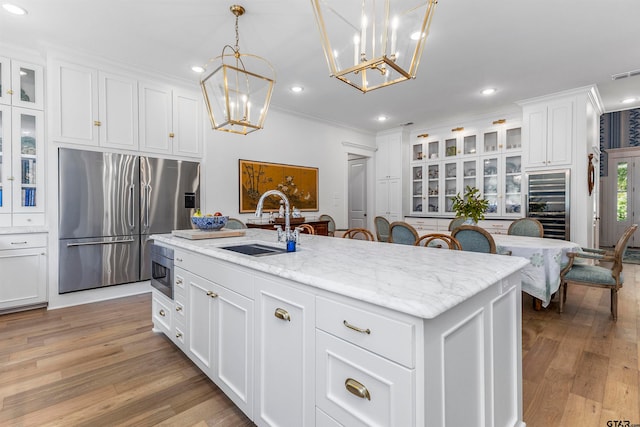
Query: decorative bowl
209	222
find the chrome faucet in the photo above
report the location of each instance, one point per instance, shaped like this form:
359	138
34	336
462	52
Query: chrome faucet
288	235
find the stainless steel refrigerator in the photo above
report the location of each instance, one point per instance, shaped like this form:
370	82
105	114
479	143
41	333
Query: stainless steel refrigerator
109	204
548	201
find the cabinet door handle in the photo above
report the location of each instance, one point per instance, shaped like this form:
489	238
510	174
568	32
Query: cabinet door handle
162	313
171	135
282	314
18	243
357	389
97	123
355	328
212	294
9	92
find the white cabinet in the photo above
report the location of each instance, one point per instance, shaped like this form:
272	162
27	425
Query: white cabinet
389	199
21	84
93	107
170	121
23	281
501	184
21	167
219	325
285	370
548	137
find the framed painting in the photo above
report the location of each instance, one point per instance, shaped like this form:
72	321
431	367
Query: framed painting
298	183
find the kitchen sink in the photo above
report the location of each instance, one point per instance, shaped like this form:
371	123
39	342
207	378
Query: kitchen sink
255	249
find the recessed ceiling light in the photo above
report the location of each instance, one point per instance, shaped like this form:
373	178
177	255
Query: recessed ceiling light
629	100
12	8
488	91
382	118
197	69
296	89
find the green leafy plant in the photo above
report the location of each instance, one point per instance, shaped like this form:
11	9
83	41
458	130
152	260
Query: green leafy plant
470	205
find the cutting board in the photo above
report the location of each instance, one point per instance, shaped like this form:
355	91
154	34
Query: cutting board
212	234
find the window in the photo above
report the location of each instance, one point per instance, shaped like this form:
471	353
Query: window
621	191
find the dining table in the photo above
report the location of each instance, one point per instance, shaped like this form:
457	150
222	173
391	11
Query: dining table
547	257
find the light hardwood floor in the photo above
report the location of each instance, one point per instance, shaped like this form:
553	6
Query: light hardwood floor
100	365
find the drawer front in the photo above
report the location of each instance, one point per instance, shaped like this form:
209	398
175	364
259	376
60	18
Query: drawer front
357	388
384	335
161	313
22	241
216	271
179	284
28	219
178	337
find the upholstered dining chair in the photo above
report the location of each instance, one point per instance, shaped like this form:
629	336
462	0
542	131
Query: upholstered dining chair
235	224
456	222
437	240
402	233
474	239
526	227
595	275
359	234
307	228
331	226
382	228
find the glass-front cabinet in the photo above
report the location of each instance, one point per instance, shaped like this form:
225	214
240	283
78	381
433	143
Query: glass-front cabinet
21	191
21	84
501	184
489	160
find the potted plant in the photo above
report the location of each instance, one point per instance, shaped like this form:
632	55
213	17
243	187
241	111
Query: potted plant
470	206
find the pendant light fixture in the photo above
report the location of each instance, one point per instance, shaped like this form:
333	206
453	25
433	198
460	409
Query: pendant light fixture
237	87
371	44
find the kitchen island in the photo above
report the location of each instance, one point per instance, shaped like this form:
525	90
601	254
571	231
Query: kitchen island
347	332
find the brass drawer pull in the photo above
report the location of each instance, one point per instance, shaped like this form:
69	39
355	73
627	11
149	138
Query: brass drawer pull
162	313
179	308
179	335
282	314
355	328
212	294
97	123
357	389
178	281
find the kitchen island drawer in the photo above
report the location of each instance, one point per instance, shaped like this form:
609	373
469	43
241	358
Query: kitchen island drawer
23	241
383	333
358	388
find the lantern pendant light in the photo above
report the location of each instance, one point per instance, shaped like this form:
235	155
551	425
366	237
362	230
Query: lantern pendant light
370	44
237	87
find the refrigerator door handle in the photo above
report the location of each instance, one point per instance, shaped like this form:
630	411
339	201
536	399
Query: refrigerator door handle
132	190
147	201
100	243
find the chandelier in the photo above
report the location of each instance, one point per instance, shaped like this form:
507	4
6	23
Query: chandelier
371	44
237	99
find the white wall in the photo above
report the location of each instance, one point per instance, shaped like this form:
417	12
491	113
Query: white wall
288	139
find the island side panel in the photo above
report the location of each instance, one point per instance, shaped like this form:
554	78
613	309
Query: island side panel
473	360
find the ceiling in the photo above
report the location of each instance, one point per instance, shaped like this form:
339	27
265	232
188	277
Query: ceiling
523	48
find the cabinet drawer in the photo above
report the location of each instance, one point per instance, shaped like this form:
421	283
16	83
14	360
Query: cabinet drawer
22	241
219	272
389	337
28	219
161	313
358	388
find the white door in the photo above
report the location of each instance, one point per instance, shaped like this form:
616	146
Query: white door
621	199
358	193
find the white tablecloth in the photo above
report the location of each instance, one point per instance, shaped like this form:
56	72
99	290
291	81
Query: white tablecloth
541	278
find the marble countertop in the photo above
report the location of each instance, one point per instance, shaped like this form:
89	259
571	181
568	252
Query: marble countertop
419	281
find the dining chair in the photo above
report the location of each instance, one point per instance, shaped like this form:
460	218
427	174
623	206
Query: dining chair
437	240
456	222
235	224
402	233
576	273
359	234
382	228
530	227
331	226
307	228
474	239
